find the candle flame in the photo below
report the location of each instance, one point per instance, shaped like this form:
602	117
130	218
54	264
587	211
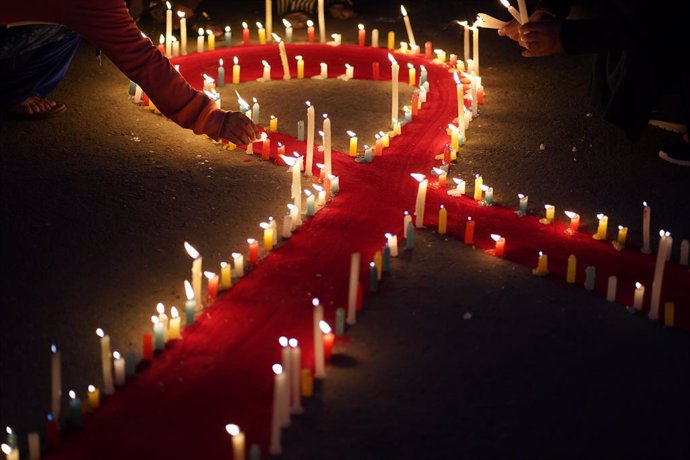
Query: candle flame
236	255
325	116
8	430
208	79
638	285
351	133
241	101
6	449
189	290
310	23
600	216
505	3
245	25
392	59
293	343
264	225
235	60
277	369
72	394
521	196
232	429
251	241
53	348
620	227
265	64
91	388
462	23
201	31
325	328
403	10
372	265
318	188
290	161
570	214
458	181
100	333
315	302
308	193
438	171
283	341
155	320
174	313
377	137
168	5
254	100
661	233
495	237
160	308
220	61
484	187
193	253
276	37
548	206
227	28
541	253
406	213
161	40
209	275
418	177
116	354
286	23
259	25
388	236
644	203
291	206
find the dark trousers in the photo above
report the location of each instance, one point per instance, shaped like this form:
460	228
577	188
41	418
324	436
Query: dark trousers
33	60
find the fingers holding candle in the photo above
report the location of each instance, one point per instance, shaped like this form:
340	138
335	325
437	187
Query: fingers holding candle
239	129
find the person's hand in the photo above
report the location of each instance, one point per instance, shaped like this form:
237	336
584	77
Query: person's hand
541	35
510	30
239	129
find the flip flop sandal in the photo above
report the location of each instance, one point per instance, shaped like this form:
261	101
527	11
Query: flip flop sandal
55	111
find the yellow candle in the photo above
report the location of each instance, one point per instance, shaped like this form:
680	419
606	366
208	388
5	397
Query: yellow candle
236	71
300	67
273	124
211	40
391	40
307	383
262	33
550	213
174	325
478	182
454	137
397	128
442	220
353	143
542	265
268	236
601	230
571	271
378	261
669	310
412	74
638	296
385	139
93	397
622	235
225	275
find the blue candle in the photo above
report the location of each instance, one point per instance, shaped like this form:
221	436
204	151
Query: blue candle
373	278
311	203
132	88
368	154
335	184
255	452
386	259
300	130
408	114
74	409
489	196
590	274
340	321
158	337
409	241
228	37
131	363
422	76
221	73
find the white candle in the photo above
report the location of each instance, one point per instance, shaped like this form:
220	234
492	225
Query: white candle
175	46
355	260
267	71
684	252
392	241
646	217
119	364
106	364
269	17
34	446
460	94
466	39
321	196
183	32
611	288
295	376
421	198
523	11
323	72
237	436
664	246
638	296
163	318
327	144
288	30
283	57
278	390
407	218
168	29
322	22
285	357
310	139
319	361
408	26
238	263
174	331
55	381
475	47
196	274
374	38
10	453
287	224
475	106
395	68
200	41
513	12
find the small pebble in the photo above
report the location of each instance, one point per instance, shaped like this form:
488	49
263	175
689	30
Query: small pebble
542	147
574	149
467	315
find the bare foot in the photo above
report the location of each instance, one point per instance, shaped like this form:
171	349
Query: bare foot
33	105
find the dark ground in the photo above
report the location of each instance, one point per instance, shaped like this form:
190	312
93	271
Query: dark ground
96	205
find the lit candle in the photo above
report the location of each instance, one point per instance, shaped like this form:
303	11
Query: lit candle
200	41
74	410
542	265
55	380
174	327
459	187
310	140
228	37
283	57
407	219
285	354
638	296
442	220
168	29
321	197
183	32
266	149
469	231
409	236
238	441
163	318
287	222
322	21
300	67
500	246
261	33
158	337
253	250
664	248
268	236
175	46
295	367
317	316
513	12
646	217
245	33
571	270
355	260
524	16
211	40
161	44
323	73
549	214
412	74
378	261
310	31
106	363
236	71
590	277
421	198
392	243
475	47
328	339
311	203
408	26
622	237
574	221
391	41
256	110
522	209
238	262
288	30
373	276
119	365
327	151
221	73
611	288
478	182
190	304
211	288
466	39
488	195
353	143
395	68
601	229
12	453
196	273
279	383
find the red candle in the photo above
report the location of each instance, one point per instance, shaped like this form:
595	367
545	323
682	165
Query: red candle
361	35
144	100
212	289
148	347
328	339
415	104
442	180
266	149
469	231
375	70
500	245
310	31
446	154
427	50
480	95
52	434
280	150
574	221
245	34
253	250
378	147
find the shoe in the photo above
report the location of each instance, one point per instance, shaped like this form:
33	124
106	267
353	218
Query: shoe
677	153
669	126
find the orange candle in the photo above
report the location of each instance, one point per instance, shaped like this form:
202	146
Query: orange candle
253	250
500	245
245	33
328	339
427	50
266	149
310	31
378	147
574	221
361	35
148	347
469	231
415	104
212	288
